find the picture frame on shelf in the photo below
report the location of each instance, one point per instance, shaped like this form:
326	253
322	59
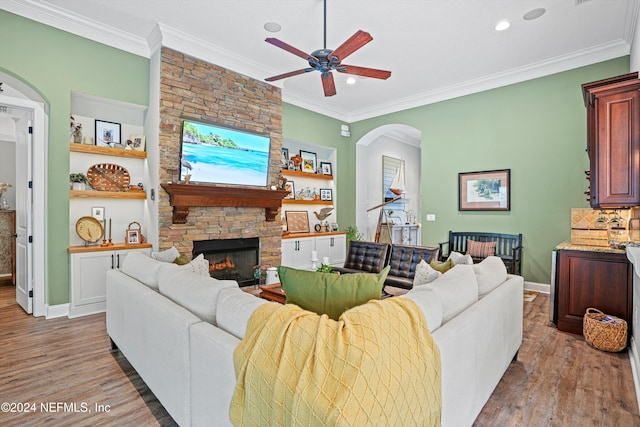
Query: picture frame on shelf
292	165
309	161
334	226
107	133
133	237
484	190
326	194
291	188
137	142
285	158
326	168
297	221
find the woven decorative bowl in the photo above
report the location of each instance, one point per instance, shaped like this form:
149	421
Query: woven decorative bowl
108	177
606	333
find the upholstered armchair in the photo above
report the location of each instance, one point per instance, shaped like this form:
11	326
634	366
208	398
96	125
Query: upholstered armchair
365	257
403	261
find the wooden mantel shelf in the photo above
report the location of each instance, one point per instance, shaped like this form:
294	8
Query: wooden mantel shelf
184	196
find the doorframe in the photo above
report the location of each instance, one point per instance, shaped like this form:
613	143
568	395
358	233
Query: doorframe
39	155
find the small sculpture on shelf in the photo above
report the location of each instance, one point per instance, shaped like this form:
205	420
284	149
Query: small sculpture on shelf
76	131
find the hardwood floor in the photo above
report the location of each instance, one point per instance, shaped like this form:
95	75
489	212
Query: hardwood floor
558	379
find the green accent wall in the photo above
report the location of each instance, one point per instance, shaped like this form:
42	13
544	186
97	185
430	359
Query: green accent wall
55	63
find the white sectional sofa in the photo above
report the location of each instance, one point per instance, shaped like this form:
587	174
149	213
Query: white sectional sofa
179	329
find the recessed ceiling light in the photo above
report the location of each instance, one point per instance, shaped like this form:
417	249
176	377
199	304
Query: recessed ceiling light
351	80
502	25
534	14
272	27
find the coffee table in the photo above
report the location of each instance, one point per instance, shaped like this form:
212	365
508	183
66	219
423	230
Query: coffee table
273	292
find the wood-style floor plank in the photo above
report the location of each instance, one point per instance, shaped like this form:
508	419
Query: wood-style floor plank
558	379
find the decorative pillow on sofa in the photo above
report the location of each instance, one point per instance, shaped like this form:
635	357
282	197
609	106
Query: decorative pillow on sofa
490	272
166	256
442	267
425	274
481	249
199	265
181	260
459	258
330	293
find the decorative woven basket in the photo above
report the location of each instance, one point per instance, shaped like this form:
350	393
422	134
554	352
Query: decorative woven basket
108	177
606	335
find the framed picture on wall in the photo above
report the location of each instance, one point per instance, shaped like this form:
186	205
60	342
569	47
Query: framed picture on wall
297	221
484	190
107	133
309	161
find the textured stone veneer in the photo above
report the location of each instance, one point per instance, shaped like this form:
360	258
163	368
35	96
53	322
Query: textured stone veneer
194	89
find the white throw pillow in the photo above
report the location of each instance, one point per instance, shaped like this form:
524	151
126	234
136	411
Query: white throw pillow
490	272
199	265
458	289
166	256
425	274
459	258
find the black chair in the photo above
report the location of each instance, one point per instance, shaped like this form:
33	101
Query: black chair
365	257
403	261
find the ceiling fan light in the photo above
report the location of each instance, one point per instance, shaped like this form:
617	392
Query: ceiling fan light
272	27
351	80
502	25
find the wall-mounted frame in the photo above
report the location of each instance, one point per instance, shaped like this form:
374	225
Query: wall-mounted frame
98	212
291	188
326	194
309	161
107	133
484	190
297	221
326	168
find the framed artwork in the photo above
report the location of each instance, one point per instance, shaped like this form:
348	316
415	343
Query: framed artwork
107	133
137	142
285	158
309	161
484	190
133	237
297	221
326	168
98	213
326	194
291	188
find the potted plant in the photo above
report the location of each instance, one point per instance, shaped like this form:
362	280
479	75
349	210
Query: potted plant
79	181
353	234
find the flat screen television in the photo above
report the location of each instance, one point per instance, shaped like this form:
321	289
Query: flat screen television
218	155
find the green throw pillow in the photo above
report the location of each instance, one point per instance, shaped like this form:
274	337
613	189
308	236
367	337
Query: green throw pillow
181	260
330	293
442	267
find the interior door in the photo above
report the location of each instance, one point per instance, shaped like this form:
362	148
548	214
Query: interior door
24	260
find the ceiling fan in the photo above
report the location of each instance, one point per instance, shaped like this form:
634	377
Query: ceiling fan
326	60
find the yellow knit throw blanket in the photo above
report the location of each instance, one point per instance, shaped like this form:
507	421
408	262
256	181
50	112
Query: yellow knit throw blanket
377	365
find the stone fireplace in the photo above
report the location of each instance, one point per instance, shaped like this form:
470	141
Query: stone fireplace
197	90
230	259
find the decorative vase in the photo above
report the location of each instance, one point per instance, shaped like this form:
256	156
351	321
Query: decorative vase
3	202
77	136
79	186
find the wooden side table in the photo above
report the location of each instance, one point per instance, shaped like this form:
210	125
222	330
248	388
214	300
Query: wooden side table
273	292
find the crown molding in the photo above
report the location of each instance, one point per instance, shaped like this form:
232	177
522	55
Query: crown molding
76	24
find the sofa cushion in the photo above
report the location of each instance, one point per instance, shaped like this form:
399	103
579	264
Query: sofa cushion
425	274
458	289
182	260
442	267
430	303
166	256
480	249
142	268
196	293
235	306
330	293
490	273
458	258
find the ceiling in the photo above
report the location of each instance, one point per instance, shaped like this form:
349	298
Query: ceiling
435	49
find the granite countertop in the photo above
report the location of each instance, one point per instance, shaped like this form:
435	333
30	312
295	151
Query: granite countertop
568	246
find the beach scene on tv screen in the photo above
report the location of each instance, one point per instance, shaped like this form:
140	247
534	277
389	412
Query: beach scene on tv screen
217	155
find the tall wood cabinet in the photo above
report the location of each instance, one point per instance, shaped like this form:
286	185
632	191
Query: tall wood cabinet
613	140
601	280
8	244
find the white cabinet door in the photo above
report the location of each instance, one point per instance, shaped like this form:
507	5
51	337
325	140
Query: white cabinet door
333	247
296	253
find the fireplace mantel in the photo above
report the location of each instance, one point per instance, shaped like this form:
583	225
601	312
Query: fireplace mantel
184	196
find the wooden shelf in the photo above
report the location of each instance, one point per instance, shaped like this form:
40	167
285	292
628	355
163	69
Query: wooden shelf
87	194
300	174
107	151
120	246
306	202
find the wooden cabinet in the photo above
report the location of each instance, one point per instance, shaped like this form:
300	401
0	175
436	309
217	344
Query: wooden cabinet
333	247
592	279
296	252
297	249
89	266
613	140
8	244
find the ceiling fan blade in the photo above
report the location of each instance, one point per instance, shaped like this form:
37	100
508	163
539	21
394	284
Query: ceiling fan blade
289	74
365	72
328	84
355	42
290	49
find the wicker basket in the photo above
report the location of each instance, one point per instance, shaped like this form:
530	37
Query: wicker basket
602	334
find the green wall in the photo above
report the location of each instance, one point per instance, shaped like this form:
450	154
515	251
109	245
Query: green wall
55	63
536	128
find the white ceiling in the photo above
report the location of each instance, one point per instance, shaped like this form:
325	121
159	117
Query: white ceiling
435	49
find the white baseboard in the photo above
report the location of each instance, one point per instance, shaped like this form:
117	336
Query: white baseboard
53	311
538	287
634	358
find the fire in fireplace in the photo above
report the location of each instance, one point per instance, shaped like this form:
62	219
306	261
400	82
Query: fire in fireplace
230	259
